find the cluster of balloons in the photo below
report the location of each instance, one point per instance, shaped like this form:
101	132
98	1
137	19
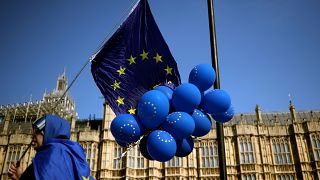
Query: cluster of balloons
168	119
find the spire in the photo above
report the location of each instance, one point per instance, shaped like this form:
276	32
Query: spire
292	112
44	94
258	114
64	72
62	82
73	122
311	116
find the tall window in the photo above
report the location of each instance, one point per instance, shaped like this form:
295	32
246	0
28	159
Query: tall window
131	157
285	177
117	152
316	147
13	155
140	159
174	162
191	159
9	159
281	151
209	155
91	154
246	151
135	158
249	177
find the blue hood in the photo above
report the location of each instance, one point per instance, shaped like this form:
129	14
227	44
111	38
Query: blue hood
54	127
59	157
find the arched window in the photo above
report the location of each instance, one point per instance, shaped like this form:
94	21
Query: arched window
131	157
246	151
13	156
117	152
91	154
209	155
316	147
135	158
285	177
249	177
140	159
281	151
174	162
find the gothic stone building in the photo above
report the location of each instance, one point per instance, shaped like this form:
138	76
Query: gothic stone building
278	146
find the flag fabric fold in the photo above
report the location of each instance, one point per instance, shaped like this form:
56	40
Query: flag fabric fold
134	60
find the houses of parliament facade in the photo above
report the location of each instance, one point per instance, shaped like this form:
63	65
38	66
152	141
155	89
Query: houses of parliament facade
276	146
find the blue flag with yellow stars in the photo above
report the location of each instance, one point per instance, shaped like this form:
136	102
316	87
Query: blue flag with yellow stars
133	61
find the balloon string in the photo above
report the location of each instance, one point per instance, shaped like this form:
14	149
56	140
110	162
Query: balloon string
130	146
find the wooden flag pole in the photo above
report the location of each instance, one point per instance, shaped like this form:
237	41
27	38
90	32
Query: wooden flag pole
214	57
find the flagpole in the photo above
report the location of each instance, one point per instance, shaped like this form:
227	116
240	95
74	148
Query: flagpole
214	58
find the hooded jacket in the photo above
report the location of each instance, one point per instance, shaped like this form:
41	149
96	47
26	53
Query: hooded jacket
59	158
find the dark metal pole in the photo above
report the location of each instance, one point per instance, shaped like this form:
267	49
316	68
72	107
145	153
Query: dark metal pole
214	56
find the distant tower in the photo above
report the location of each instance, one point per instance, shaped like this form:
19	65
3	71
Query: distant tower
65	104
62	82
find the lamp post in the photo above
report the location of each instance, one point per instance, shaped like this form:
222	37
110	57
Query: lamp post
214	58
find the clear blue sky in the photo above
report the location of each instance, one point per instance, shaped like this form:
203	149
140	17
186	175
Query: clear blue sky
266	49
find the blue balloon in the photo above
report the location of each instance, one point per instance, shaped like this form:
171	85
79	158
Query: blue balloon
143	148
179	124
202	123
224	117
203	76
201	103
184	147
153	107
186	98
161	145
216	101
165	90
142	128
125	128
122	143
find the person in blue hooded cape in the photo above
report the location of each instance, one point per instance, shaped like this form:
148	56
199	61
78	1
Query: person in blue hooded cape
57	157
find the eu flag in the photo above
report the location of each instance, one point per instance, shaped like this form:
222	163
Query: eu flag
134	60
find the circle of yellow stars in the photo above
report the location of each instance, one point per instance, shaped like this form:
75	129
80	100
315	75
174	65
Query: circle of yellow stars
122	71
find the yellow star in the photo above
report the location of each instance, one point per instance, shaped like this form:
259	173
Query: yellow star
132	60
158	58
168	70
144	55
132	111
116	85
121	71
120	100
85	178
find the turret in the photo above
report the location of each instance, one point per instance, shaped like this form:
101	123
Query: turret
6	123
109	115
62	82
258	114
292	112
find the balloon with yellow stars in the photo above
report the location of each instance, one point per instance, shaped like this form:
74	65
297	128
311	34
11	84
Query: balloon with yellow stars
161	145
161	135
153	107
125	128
